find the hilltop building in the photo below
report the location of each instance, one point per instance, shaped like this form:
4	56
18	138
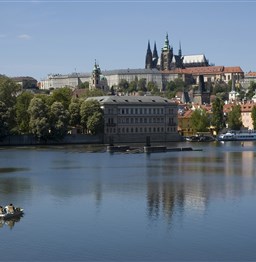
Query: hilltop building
159	69
26	82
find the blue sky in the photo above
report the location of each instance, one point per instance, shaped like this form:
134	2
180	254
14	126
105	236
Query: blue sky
38	38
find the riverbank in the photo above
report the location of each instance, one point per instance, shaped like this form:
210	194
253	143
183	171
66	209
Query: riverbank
30	140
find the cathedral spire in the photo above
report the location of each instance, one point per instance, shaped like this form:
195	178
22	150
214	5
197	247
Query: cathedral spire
148	62
166	43
180	52
155	57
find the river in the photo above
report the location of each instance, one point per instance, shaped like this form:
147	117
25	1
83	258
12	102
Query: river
84	204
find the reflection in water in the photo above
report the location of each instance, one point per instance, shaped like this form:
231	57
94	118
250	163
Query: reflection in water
169	206
17	186
189	181
9	222
12	169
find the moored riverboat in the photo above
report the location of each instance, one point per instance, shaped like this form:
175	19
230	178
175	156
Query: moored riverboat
238	136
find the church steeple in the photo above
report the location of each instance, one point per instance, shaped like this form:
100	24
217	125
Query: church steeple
166	55
148	63
180	52
155	57
166	43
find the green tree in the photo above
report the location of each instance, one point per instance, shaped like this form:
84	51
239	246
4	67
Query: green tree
234	118
22	115
123	85
217	114
59	119
220	87
132	86
62	95
152	87
251	90
84	85
8	91
39	120
170	86
74	111
87	109
93	92
142	85
253	115
200	121
4	120
95	123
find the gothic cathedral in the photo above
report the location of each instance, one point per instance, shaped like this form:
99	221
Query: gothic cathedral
167	60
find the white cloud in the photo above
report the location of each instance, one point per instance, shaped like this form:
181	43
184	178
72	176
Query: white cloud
24	36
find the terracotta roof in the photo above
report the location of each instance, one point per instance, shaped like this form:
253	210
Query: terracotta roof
227	108
252	74
175	71
187	114
233	69
247	107
205	70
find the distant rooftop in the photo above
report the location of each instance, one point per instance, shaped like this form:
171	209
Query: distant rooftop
130	71
130	99
194	59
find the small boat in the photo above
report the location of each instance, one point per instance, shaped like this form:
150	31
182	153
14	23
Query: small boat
200	138
238	136
17	213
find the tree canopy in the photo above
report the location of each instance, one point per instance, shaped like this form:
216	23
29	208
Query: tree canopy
22	115
217	114
4	120
88	108
200	121
234	118
39	119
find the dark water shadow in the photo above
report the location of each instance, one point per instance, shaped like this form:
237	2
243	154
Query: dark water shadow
12	169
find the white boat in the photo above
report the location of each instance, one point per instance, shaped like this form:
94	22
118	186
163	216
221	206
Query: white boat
238	136
17	213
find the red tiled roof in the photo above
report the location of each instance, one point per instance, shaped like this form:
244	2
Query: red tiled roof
253	74
187	114
247	107
205	70
233	69
227	108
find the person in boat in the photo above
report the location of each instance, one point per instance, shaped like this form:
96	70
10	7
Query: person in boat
1	210
10	208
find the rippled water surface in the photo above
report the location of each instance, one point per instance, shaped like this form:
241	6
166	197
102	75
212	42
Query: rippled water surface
82	203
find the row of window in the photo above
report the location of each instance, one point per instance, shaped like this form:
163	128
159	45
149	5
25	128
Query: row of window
144	130
140	111
141	120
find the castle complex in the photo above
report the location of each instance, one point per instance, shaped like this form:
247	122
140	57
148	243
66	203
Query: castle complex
159	69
